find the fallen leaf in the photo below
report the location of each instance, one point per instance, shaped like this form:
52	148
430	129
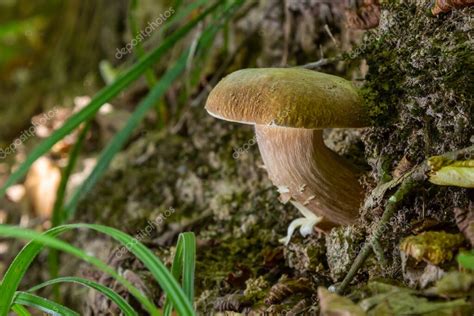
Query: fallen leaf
335	305
449	173
41	184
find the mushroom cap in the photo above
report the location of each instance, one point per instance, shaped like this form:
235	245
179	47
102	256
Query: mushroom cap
288	97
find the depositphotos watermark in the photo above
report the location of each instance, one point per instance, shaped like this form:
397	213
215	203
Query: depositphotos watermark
146	231
239	151
27	134
245	148
151	26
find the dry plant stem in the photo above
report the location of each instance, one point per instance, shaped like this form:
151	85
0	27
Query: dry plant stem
320	63
463	154
378	250
390	209
303	168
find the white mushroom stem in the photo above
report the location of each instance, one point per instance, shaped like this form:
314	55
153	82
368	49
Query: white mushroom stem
317	178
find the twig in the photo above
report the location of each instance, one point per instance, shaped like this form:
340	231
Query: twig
463	154
417	175
320	63
378	250
390	209
326	28
287	34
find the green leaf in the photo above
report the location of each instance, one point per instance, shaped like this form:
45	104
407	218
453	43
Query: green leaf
114	297
184	264
458	173
43	304
23	260
102	97
466	259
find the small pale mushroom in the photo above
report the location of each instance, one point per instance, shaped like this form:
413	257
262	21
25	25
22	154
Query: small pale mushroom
290	107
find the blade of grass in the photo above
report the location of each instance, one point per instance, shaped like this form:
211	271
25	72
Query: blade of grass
189	263
113	296
20	310
23	260
180	15
47	306
102	97
183	267
139	51
150	77
58	216
206	40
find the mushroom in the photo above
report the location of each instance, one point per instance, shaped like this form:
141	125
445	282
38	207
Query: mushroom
290	107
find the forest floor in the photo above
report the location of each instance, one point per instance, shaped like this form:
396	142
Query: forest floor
206	176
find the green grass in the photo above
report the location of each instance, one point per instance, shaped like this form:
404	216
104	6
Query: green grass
20	310
42	304
158	90
177	297
177	284
58	216
103	96
183	267
161	112
113	296
62	212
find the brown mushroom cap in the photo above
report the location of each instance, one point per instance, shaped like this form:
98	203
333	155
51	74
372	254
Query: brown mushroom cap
288	97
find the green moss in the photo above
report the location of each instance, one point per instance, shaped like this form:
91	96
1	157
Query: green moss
419	85
256	289
435	247
419	92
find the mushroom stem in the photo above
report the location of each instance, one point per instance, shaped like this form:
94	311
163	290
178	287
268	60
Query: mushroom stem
305	170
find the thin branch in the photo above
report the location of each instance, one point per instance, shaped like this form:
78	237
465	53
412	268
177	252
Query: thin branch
320	63
417	175
391	207
378	250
